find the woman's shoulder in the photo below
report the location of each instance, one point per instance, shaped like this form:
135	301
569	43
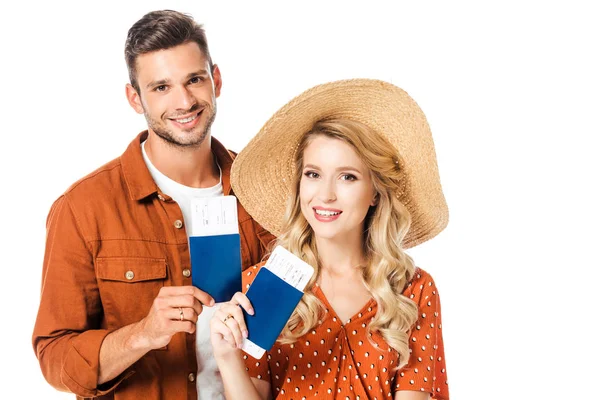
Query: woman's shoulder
421	282
421	276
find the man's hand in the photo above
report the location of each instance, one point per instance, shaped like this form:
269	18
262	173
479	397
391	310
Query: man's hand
175	309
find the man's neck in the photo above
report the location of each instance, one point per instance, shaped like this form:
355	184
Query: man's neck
192	166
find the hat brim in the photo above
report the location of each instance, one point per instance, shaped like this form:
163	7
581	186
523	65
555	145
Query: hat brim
263	171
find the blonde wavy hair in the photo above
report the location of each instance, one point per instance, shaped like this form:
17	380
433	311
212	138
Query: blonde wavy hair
388	269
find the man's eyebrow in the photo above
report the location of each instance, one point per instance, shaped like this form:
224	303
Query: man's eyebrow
166	81
199	72
157	83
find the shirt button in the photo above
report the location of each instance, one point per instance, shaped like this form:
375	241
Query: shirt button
191	377
129	275
160	197
187	272
178	224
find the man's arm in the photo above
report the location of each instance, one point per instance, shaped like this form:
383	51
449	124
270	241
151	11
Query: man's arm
67	335
175	309
74	353
266	241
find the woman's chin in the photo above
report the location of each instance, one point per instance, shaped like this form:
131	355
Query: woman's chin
327	233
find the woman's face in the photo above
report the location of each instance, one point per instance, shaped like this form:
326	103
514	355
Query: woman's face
336	190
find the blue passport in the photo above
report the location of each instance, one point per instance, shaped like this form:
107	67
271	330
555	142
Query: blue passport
217	265
273	301
274	294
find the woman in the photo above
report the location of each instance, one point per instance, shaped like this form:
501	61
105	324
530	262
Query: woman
355	161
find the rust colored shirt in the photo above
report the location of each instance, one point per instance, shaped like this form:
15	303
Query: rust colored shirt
337	360
113	240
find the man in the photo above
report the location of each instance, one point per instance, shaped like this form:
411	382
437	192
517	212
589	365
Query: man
118	316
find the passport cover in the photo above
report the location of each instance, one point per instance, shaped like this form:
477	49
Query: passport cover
274	301
217	265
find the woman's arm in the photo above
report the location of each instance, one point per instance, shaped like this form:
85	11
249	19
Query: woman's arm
228	330
238	385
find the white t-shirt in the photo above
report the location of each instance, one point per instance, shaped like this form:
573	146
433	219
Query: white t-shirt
208	379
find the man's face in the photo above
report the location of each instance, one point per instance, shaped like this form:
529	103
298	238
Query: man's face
177	93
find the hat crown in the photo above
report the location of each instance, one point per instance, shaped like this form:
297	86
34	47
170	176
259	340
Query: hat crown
264	170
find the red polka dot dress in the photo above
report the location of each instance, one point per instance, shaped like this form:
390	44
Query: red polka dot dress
337	360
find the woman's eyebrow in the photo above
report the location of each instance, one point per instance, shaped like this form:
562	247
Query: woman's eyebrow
342	168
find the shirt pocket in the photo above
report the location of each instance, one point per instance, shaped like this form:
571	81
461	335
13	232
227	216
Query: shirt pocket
128	286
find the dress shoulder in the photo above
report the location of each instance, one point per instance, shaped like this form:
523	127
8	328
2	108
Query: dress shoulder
249	275
421	281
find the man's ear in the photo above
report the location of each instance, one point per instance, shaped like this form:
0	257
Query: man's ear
133	97
216	73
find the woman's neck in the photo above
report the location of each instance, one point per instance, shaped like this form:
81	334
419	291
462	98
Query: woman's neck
340	256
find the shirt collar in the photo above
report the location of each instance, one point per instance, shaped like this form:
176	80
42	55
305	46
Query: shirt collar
138	179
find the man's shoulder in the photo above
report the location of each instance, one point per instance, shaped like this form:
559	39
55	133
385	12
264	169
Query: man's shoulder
104	180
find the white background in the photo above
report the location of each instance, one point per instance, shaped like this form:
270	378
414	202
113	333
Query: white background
512	94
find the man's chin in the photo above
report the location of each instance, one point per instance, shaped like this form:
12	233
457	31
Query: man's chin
183	139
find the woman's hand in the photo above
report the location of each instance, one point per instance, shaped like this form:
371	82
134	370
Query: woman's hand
228	328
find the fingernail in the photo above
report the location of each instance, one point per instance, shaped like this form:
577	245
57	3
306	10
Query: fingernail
245	333
239	346
251	312
212	302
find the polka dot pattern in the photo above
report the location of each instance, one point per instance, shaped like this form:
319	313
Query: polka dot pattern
343	360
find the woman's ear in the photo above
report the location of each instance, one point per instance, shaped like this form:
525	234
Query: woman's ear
375	200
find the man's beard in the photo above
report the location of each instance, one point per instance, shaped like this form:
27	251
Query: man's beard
160	127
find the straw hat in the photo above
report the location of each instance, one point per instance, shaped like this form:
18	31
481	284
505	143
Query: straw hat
262	173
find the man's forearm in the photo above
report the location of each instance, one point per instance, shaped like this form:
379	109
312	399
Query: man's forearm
119	350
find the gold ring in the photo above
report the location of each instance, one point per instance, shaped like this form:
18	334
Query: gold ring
227	317
180	314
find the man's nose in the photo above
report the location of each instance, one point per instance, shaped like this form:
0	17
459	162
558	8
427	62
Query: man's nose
185	99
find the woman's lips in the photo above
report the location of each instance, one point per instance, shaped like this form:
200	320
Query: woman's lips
326	214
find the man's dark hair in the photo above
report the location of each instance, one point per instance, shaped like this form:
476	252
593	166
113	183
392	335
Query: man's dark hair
161	30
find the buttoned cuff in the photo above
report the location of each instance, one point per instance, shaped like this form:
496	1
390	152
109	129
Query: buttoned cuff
80	369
